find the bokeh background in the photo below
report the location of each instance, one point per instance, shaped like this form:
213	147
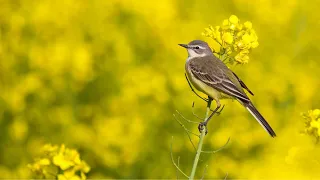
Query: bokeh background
106	76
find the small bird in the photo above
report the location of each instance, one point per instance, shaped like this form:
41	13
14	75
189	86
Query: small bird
211	76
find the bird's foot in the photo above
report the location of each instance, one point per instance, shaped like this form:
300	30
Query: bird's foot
203	125
218	112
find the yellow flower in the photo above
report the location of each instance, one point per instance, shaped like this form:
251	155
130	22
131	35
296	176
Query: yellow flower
66	158
246	38
233	22
73	155
227	37
62	177
316	113
44	162
254	44
83	176
34	167
242	58
85	167
229	50
314	124
236	39
233	19
225	22
253	34
239	44
62	162
239	27
244	52
232	27
208	32
71	174
238	57
218	37
49	148
248	25
241	33
216	32
245	59
62	149
242	45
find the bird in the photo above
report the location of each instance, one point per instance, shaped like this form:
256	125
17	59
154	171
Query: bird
210	75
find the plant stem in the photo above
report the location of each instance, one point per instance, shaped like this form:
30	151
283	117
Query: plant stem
199	149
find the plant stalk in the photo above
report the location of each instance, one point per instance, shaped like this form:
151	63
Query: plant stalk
199	149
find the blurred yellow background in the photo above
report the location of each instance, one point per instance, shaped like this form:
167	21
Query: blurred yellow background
106	76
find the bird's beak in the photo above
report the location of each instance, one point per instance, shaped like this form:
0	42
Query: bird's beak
184	45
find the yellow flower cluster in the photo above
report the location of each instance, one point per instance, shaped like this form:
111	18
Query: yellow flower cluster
312	123
236	39
59	163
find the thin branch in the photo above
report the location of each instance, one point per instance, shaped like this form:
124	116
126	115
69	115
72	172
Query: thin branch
225	178
184	127
195	113
204	172
225	57
178	166
187	131
215	151
174	163
218	42
194	122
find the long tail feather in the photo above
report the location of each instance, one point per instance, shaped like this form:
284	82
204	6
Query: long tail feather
255	113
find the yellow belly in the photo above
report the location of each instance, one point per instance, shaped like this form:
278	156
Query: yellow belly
201	86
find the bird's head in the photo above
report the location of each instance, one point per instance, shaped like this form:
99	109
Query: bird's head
197	48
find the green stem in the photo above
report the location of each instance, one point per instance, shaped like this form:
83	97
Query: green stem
199	149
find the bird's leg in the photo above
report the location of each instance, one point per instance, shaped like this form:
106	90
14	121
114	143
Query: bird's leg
220	110
204	123
206	100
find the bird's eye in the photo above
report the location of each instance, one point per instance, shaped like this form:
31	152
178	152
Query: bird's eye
197	47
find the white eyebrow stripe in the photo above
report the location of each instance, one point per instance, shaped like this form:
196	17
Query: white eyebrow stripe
193	46
193	54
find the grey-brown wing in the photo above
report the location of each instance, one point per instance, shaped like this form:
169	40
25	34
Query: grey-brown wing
213	76
242	84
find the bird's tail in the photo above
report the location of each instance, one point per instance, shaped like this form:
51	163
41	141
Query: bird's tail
254	112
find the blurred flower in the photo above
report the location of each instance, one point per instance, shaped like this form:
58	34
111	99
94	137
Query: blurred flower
233	19
312	123
59	162
227	37
236	39
248	25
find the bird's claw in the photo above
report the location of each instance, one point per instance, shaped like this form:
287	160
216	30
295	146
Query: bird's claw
219	112
201	126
